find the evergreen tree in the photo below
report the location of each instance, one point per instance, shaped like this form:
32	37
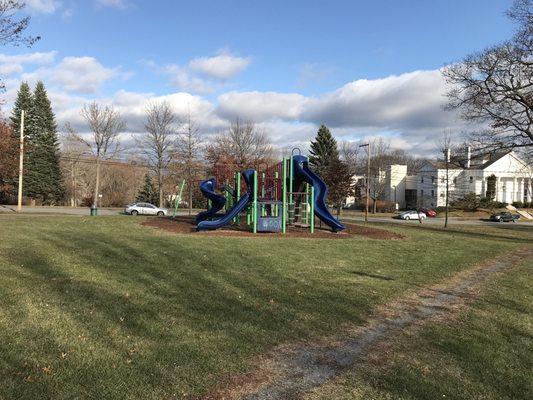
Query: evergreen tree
148	194
42	173
46	153
491	187
25	102
323	150
340	185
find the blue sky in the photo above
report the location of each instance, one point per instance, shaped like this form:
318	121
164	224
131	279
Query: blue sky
366	68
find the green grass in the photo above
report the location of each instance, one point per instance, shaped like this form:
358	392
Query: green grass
486	353
105	308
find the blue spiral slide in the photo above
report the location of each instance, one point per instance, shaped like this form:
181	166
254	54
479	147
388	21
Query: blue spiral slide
217	201
236	209
303	172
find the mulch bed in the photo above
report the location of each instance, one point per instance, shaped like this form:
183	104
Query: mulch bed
187	225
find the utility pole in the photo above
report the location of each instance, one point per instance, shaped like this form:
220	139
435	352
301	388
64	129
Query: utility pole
21	160
367	179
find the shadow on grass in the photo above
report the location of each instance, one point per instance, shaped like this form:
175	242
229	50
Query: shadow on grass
375	276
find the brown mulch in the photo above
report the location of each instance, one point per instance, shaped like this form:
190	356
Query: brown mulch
187	225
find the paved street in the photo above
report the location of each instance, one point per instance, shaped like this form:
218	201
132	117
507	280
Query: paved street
81	211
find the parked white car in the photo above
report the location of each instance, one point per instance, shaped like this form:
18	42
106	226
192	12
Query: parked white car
145	209
412	214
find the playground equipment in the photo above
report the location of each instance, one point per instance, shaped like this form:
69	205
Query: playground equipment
288	193
216	201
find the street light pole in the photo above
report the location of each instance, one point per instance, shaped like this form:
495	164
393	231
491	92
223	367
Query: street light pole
367	179
21	160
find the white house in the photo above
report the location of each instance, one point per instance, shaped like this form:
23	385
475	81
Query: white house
469	175
466	174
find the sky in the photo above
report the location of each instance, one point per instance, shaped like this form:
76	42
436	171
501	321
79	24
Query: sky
366	69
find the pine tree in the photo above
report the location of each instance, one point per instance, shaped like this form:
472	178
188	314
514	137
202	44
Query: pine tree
148	194
25	102
340	185
323	150
46	153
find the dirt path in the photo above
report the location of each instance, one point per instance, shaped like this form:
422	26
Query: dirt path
287	372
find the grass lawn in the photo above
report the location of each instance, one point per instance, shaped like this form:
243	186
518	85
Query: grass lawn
105	308
486	353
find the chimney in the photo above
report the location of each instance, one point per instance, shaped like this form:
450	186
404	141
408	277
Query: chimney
468	156
447	155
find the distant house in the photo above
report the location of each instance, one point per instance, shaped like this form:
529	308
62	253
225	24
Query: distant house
513	179
466	174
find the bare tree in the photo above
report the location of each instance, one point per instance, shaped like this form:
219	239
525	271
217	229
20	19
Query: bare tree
158	143
349	152
378	165
12	28
243	144
189	149
446	146
494	88
105	124
73	152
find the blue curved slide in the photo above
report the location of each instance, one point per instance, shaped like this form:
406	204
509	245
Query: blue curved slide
235	210
302	171
217	201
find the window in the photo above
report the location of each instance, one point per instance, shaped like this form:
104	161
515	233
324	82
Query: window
442	194
422	180
443	180
471	179
432	179
432	193
421	193
454	181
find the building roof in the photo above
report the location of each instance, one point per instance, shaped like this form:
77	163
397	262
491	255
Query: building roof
479	161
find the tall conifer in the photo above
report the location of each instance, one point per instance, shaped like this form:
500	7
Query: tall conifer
323	150
47	148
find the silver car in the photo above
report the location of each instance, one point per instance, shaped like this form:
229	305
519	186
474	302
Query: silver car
145	209
407	215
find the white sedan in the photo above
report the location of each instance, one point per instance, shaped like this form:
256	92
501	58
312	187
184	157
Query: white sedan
145	209
412	214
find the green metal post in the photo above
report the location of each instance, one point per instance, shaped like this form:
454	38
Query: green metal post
312	210
237	219
290	181
178	199
284	196
276	177
254	206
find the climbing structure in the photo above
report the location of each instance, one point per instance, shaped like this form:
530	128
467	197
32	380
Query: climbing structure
285	194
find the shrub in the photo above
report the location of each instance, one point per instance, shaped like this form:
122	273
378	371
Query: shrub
518	204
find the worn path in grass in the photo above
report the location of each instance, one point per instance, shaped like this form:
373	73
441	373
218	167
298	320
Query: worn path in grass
289	371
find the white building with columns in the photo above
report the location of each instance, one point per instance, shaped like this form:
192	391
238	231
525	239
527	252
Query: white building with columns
513	179
466	174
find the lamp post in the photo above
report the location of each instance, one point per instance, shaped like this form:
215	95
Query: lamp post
395	203
367	179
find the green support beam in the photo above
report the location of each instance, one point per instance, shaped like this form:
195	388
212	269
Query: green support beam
284	196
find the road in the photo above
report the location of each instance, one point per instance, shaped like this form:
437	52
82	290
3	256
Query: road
81	211
60	210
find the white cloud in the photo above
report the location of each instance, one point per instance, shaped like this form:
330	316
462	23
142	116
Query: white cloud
181	79
410	100
43	6
223	66
261	106
13	64
29	58
76	74
120	4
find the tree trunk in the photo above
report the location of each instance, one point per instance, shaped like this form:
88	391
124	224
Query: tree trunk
447	193
190	199
97	185
160	186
